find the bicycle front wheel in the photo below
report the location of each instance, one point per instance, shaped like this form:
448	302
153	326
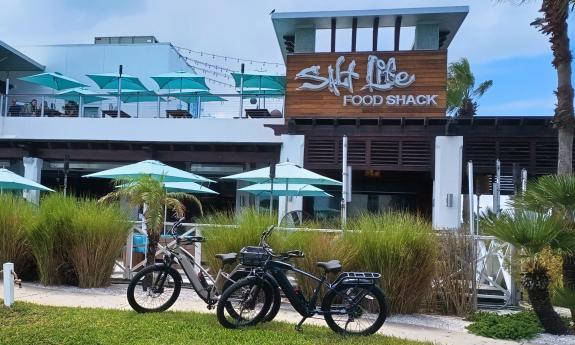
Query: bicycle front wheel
355	310
154	289
245	303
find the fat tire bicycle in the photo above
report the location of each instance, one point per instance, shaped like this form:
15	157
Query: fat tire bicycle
353	304
156	288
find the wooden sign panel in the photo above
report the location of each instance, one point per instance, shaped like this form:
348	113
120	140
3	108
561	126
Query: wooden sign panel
366	84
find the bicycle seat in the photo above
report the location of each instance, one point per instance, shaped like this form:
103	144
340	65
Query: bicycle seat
332	266
227	258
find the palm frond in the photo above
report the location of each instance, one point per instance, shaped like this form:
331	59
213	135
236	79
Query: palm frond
528	231
554	193
482	88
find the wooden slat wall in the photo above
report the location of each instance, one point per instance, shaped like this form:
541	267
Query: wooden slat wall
429	67
394	154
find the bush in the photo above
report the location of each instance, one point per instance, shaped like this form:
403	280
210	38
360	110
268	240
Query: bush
17	218
451	292
76	241
403	248
522	325
221	239
48	239
97	234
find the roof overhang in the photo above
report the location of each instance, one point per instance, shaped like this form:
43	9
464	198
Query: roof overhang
449	20
13	60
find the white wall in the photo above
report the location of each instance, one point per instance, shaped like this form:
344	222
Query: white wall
292	150
448	177
142	129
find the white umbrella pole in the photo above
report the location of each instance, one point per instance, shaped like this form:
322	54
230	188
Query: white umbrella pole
7	100
138	104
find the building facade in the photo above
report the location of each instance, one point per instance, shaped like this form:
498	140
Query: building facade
390	103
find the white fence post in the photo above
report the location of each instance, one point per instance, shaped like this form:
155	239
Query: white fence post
8	284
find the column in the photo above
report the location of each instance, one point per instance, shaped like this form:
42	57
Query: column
293	151
33	171
447	182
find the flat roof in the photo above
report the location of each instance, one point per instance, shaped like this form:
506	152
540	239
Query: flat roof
449	19
13	60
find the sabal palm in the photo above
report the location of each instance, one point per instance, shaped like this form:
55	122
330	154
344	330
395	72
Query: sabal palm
150	192
461	90
530	233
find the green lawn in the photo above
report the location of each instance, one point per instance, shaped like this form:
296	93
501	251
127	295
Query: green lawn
34	324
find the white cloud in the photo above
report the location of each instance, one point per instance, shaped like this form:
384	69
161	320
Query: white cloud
493	29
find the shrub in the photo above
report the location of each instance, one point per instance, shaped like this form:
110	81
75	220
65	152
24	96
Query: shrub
403	248
317	246
47	239
76	241
17	218
451	291
220	239
522	325
97	234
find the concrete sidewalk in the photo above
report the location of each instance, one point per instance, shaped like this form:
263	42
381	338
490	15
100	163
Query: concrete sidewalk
114	297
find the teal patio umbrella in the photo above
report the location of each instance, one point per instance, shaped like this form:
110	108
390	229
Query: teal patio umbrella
184	187
86	96
266	189
117	81
53	80
181	80
155	169
188	187
285	173
258	80
137	96
197	97
12	181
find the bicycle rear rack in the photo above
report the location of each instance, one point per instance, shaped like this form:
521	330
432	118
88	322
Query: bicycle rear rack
359	275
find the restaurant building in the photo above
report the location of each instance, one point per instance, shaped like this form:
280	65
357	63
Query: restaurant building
388	97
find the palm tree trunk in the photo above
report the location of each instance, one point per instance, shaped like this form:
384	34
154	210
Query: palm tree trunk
537	285
153	240
554	24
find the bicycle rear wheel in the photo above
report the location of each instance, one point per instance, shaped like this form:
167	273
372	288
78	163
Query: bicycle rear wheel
355	310
154	289
276	302
245	303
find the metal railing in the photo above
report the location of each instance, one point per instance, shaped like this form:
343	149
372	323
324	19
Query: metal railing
161	106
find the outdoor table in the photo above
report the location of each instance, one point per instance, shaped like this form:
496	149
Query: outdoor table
178	114
114	113
258	113
52	112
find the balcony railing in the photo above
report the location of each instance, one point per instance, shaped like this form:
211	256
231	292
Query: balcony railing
164	106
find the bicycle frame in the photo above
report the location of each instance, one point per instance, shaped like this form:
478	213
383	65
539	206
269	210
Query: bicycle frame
188	264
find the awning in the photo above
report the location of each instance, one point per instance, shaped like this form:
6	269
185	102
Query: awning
13	60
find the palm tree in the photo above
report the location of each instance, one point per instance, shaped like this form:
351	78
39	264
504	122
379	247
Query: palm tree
554	24
530	233
461	91
555	193
151	193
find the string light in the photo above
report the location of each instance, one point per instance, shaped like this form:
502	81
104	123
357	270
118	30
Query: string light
201	53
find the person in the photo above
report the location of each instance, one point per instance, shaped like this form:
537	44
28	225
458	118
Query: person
14	109
71	108
32	108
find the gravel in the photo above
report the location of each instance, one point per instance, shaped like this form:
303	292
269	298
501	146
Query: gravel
449	323
548	339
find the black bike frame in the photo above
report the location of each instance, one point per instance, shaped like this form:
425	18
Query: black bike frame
303	306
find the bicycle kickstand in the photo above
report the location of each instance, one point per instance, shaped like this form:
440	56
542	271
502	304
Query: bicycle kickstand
298	327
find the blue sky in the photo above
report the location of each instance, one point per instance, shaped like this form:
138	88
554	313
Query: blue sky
496	35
